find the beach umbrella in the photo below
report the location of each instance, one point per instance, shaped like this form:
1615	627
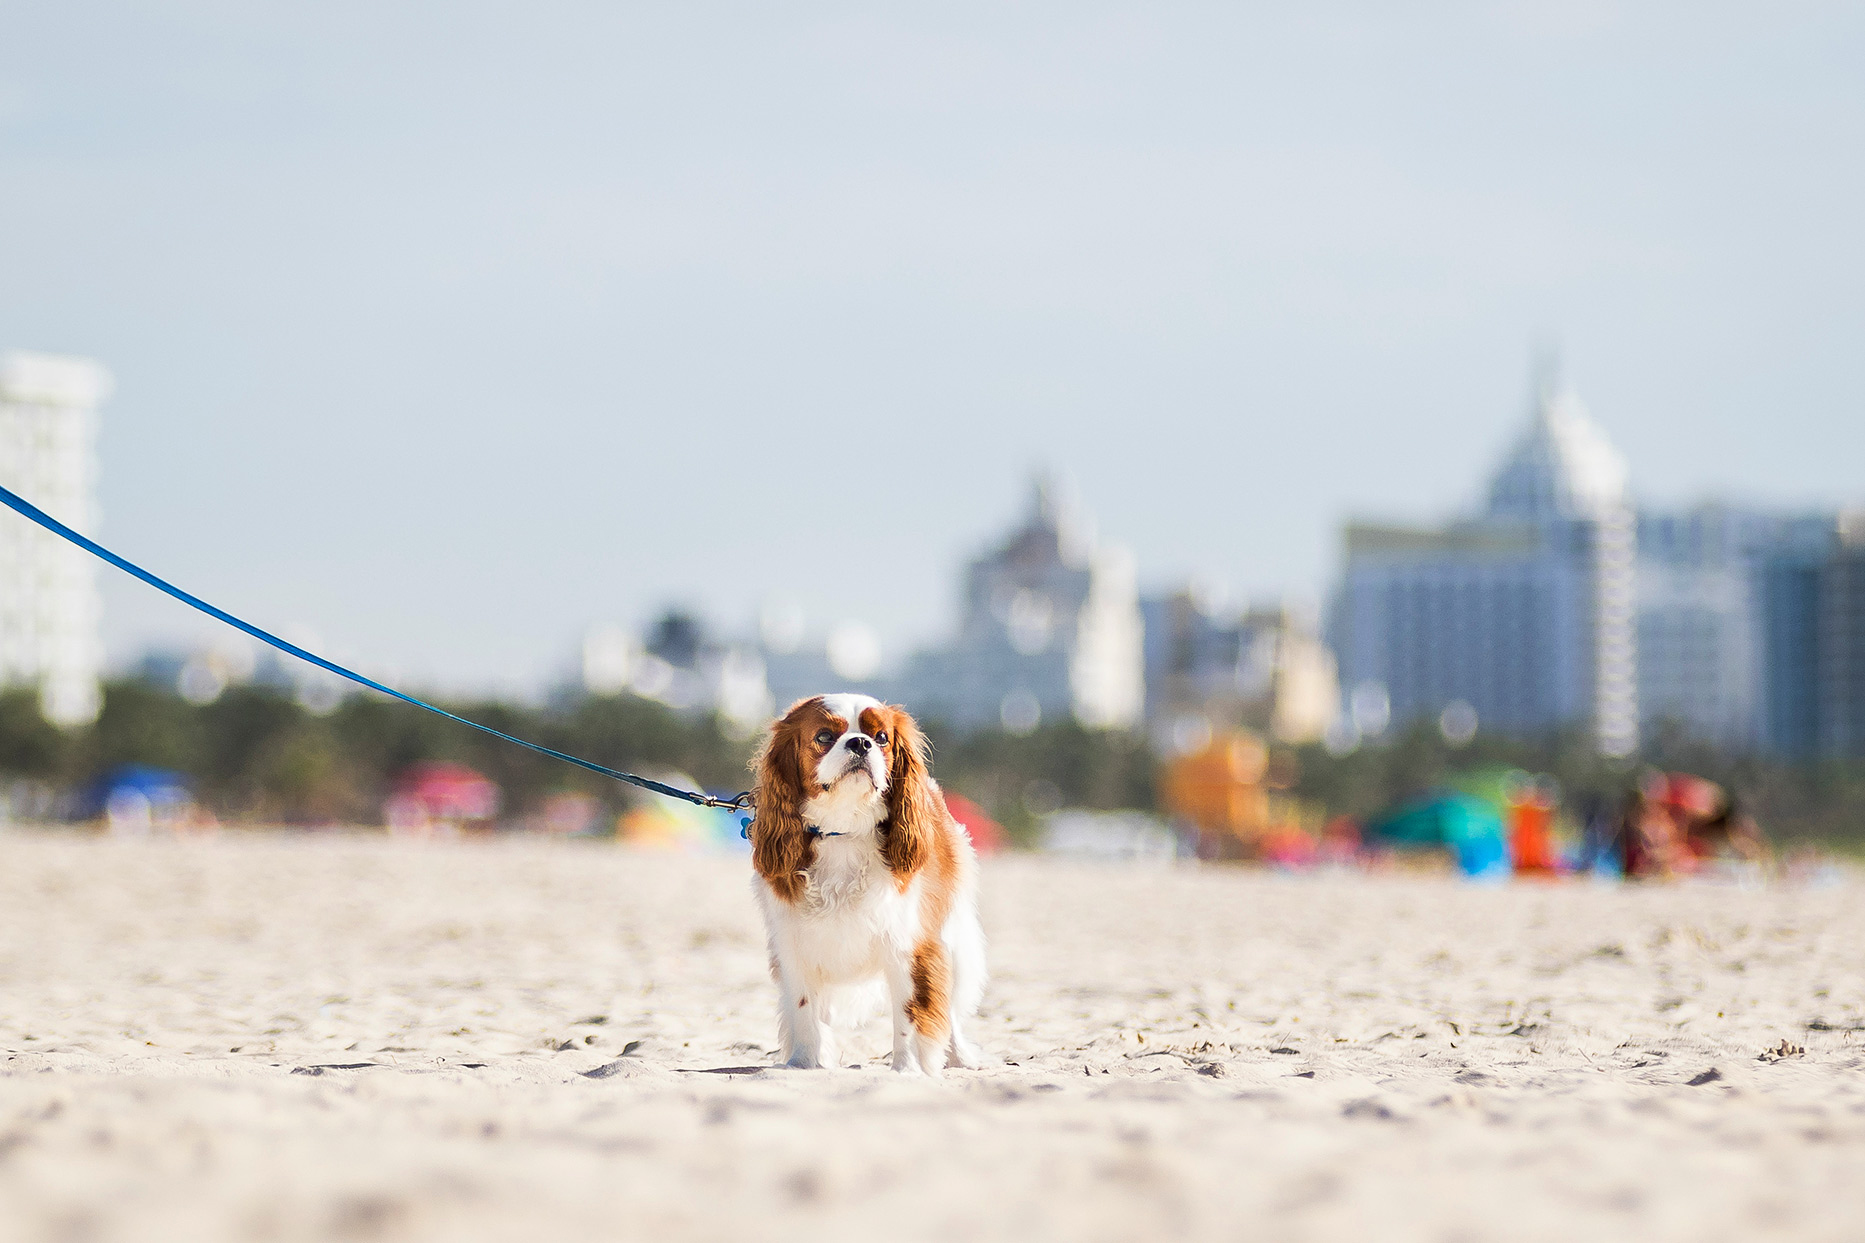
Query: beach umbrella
1469	828
136	794
439	793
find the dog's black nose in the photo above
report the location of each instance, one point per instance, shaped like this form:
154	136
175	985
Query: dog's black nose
859	744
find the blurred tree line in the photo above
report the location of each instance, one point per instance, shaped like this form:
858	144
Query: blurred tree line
1017	778
255	754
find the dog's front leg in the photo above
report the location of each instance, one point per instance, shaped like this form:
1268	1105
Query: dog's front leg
800	1019
806	1040
807	1034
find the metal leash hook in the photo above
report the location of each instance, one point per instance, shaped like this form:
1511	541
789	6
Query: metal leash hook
27	509
744	802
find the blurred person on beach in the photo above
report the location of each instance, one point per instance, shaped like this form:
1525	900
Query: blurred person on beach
1600	833
1728	833
1644	836
1678	824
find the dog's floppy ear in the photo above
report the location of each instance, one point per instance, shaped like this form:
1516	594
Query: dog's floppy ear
914	808
781	845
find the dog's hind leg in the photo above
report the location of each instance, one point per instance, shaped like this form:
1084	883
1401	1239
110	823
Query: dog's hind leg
964	942
899	1014
930	1009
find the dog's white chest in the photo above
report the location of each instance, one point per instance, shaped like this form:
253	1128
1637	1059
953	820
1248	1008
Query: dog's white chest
848	857
841	877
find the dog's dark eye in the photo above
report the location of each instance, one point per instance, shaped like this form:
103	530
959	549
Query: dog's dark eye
880	736
825	737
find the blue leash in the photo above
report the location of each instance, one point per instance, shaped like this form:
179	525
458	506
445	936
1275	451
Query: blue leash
29	510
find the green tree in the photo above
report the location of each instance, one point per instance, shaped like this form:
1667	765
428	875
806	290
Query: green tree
30	746
144	724
1017	777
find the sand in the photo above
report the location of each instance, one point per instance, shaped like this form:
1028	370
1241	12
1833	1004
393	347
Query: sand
262	1036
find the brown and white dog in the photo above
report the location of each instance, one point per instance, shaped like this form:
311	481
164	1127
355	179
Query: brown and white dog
863	875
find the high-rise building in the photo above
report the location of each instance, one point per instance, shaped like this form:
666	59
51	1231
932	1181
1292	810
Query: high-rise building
1841	644
1557	606
50	613
1723	637
1050	630
1524	614
1787	598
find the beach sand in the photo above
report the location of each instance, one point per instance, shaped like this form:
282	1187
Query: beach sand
267	1036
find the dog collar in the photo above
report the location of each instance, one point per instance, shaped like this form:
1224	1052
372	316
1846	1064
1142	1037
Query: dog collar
814	830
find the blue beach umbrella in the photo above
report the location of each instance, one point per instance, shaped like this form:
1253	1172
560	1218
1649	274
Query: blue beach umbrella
1468	827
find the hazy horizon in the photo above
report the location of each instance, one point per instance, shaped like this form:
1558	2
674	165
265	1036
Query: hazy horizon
439	336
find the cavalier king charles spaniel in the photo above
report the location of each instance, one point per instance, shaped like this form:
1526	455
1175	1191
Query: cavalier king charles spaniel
864	876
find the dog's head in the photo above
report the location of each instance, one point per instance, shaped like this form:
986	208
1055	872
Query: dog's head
815	747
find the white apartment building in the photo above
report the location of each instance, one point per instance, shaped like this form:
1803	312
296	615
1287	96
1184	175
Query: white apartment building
50	613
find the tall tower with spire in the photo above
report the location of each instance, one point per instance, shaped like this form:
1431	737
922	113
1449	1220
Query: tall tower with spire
1565	477
1525	613
1562	467
1050	630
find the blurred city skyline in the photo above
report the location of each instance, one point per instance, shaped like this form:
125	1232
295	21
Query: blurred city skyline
442	336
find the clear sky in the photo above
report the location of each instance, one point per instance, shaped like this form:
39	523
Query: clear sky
441	331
